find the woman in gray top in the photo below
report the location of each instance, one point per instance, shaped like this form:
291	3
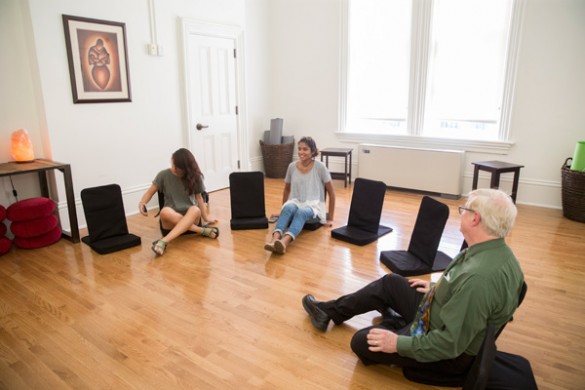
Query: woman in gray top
184	209
305	184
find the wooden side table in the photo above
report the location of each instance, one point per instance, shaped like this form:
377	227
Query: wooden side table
339	152
42	166
496	168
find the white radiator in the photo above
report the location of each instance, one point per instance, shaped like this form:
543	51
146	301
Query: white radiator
428	170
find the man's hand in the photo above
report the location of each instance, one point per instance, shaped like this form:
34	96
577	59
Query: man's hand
422	286
382	340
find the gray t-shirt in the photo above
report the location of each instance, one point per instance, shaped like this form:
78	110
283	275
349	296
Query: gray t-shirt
307	189
176	196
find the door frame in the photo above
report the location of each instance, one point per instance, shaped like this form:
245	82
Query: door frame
199	27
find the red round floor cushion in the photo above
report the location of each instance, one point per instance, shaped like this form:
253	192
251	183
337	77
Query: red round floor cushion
3	229
34	227
2	213
4	245
33	208
39	241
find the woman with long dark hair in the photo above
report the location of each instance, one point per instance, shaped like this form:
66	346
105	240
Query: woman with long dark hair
184	208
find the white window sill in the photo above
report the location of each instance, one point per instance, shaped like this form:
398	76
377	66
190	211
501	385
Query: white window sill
492	147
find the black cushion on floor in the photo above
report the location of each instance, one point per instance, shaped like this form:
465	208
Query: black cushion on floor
422	256
312	224
103	207
511	371
247	201
406	264
365	211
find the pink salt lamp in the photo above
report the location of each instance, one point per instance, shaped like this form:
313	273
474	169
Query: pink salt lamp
21	149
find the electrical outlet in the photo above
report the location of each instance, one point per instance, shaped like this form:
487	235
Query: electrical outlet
152	49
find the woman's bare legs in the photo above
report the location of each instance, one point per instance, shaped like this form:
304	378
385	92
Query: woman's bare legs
179	223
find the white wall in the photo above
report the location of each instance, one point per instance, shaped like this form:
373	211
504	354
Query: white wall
292	71
548	110
124	143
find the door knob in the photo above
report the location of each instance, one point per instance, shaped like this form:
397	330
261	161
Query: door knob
200	126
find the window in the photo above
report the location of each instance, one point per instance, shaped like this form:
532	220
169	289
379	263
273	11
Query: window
440	68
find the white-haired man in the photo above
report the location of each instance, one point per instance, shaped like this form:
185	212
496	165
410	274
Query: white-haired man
446	321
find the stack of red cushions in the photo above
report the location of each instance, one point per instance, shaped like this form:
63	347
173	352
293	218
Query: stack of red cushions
33	223
4	241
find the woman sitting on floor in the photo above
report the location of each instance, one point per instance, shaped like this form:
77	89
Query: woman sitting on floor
303	197
184	209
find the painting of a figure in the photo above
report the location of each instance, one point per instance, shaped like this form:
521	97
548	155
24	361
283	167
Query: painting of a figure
97	60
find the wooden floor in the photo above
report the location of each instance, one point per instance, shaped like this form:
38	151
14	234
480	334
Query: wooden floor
226	314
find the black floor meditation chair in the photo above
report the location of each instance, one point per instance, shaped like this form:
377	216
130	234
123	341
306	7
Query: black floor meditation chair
365	211
103	207
247	201
422	256
491	369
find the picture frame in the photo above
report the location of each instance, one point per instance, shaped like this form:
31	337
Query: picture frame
98	60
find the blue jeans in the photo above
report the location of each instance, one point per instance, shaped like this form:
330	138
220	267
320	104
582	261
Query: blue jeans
297	215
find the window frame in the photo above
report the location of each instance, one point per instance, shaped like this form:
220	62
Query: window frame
422	10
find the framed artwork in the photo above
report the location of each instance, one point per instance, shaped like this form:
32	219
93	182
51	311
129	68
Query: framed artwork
98	60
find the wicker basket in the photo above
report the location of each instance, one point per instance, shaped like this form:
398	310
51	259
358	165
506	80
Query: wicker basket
573	190
276	158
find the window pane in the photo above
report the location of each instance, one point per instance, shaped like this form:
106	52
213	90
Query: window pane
378	66
466	69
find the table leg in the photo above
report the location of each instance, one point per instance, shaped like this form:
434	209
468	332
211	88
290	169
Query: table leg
515	184
349	167
44	184
71	204
345	171
495	182
475	177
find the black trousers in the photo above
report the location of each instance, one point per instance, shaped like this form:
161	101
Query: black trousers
391	291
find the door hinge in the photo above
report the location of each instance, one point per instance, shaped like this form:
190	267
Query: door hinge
235	54
238	164
236	110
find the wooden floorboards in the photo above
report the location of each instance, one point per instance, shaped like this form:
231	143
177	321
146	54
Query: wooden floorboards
226	314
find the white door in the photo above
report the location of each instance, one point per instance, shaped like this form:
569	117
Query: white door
211	95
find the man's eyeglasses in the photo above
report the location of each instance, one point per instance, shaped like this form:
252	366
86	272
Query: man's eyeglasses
461	209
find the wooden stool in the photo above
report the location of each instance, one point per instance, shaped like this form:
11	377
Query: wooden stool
337	152
496	168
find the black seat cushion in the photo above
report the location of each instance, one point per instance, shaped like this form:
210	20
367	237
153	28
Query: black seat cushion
363	225
312	224
247	201
103	207
112	244
406	264
511	371
422	256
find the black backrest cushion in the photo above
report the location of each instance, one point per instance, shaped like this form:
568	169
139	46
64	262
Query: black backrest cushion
428	229
247	194
104	211
367	201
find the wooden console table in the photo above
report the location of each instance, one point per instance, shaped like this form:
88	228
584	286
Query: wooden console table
42	167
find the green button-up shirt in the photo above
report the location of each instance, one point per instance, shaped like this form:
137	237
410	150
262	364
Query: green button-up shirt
480	286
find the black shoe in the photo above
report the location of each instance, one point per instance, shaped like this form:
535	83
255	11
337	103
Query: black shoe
319	318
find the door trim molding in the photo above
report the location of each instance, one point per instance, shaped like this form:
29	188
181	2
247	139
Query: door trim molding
191	26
